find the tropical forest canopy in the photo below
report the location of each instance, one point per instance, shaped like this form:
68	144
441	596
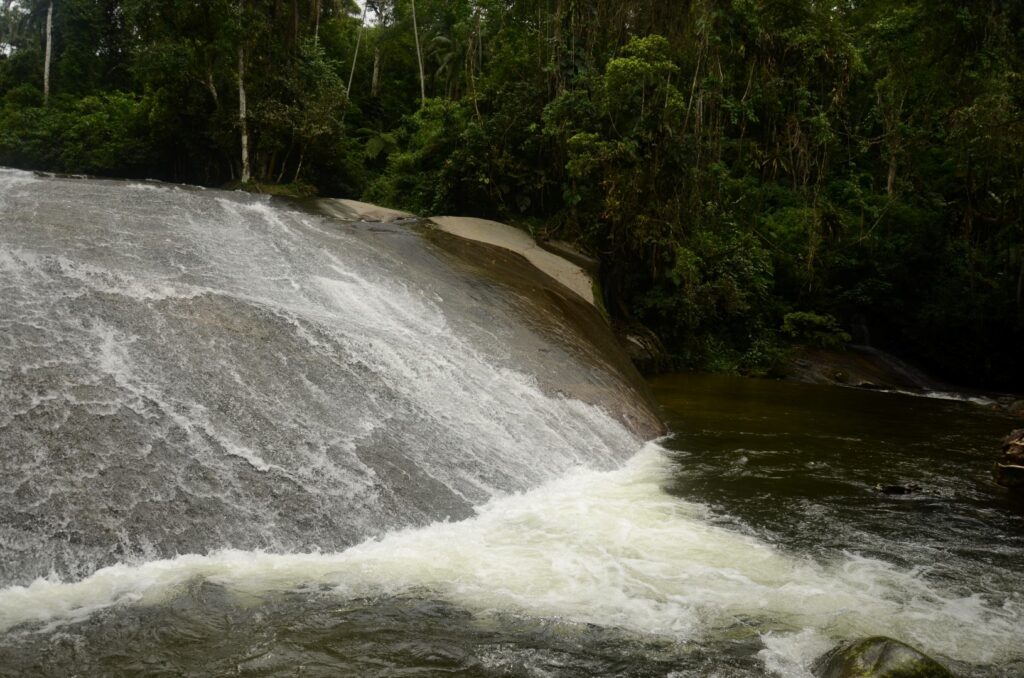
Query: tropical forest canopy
752	174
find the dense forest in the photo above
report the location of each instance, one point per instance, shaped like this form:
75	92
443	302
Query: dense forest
751	174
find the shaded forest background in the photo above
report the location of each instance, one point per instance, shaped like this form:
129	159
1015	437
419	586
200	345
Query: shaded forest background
752	174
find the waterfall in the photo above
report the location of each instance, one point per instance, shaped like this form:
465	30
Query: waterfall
186	371
211	386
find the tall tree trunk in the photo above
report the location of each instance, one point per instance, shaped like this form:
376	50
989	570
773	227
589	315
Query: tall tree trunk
242	118
284	163
375	82
298	168
470	66
49	53
419	56
1020	289
355	55
212	87
295	23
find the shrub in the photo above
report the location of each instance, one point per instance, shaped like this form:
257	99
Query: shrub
813	329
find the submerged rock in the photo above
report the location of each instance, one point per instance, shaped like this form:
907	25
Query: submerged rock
898	490
1009	470
878	657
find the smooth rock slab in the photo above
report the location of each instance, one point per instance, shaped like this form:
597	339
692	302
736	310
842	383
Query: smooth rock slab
354	210
520	242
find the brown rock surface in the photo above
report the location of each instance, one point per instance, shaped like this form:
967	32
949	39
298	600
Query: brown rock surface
1009	470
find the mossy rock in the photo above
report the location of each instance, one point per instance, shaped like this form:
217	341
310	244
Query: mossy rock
878	657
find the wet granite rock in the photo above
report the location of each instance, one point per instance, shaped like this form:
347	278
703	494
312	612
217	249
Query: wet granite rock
644	348
1009	470
878	657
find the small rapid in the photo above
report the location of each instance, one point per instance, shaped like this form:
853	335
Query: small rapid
610	549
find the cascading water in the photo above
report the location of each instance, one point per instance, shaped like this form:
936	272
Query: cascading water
203	389
185	371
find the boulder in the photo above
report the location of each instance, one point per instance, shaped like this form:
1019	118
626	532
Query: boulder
878	657
1009	470
860	366
644	348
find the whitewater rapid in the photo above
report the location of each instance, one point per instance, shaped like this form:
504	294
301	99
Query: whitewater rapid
606	548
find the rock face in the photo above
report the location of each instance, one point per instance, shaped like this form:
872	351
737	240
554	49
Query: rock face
571	327
878	657
1009	470
860	366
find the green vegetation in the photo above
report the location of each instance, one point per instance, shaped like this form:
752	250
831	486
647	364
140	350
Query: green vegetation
751	174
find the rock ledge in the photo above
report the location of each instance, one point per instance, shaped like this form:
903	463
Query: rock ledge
508	237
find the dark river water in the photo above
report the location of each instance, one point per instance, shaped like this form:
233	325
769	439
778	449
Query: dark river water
745	545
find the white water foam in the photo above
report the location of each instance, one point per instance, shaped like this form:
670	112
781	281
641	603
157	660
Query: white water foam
946	395
606	548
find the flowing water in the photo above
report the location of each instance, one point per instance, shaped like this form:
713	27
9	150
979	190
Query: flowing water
237	438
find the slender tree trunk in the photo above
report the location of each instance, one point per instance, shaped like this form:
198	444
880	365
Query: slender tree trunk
375	82
242	117
284	163
470	64
212	86
1020	289
49	53
890	186
295	23
355	55
298	168
419	56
